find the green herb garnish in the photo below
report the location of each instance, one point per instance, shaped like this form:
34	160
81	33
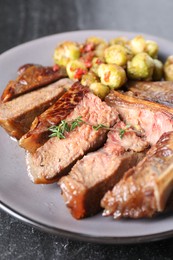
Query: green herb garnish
64	126
97	127
123	130
59	130
77	122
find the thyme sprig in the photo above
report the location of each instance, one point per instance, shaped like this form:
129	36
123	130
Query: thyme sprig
97	127
59	130
64	126
77	122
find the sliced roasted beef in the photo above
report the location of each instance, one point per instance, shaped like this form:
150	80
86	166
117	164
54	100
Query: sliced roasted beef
56	157
17	115
39	132
30	78
22	68
149	118
97	172
160	92
145	189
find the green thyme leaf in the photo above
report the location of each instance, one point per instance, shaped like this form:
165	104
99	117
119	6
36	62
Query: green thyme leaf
77	122
123	130
64	126
121	133
97	127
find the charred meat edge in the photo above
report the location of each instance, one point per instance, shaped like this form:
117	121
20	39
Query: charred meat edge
32	77
39	132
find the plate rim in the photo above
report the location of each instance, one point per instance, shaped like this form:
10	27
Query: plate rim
83	237
76	235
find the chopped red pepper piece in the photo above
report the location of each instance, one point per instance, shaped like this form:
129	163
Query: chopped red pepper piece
88	47
79	73
107	76
98	61
56	67
87	59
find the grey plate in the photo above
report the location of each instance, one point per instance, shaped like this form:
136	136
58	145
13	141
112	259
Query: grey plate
42	205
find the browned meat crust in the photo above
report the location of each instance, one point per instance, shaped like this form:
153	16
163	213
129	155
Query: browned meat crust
39	132
17	115
56	157
97	172
149	118
145	189
160	92
32	77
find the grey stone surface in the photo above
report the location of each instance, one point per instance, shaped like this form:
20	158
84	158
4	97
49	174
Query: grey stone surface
24	20
19	241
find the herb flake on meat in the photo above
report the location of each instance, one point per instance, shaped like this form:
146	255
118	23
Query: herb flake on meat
64	126
97	127
123	130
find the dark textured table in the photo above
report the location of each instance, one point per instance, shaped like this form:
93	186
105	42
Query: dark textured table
24	20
